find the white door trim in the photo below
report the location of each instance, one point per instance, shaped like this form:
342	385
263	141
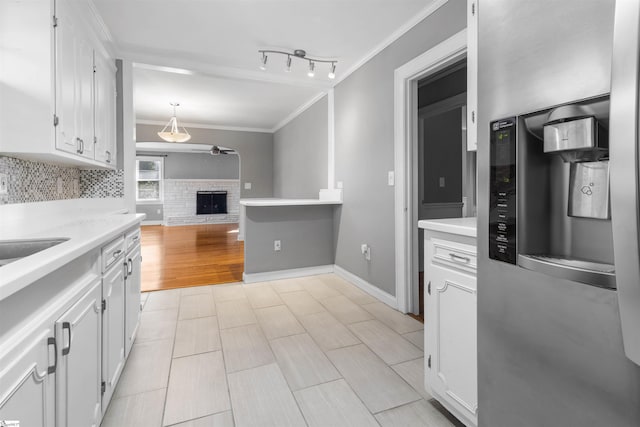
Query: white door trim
405	132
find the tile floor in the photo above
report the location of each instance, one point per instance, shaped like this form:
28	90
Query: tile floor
312	351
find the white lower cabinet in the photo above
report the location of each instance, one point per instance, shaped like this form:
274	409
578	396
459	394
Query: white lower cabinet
27	391
113	322
132	296
79	336
450	324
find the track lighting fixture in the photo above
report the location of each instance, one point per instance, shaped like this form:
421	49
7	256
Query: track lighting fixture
300	54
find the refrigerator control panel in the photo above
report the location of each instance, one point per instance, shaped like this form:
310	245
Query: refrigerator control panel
502	203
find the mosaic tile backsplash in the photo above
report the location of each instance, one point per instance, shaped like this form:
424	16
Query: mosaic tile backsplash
38	182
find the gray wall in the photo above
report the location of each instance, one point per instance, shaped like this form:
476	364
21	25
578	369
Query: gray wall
255	148
365	148
300	154
201	166
151	211
306	233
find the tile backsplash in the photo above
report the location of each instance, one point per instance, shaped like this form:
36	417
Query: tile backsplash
37	182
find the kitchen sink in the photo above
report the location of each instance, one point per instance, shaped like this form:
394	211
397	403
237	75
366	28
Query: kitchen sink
13	250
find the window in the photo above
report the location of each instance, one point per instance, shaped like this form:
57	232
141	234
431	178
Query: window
149	184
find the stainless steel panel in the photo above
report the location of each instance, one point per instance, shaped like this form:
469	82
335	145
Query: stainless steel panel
549	350
623	142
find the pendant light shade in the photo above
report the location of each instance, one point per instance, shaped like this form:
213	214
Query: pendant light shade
174	133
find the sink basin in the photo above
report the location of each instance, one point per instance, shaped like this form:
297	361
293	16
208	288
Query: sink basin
13	250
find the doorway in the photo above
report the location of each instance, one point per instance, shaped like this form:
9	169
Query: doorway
442	56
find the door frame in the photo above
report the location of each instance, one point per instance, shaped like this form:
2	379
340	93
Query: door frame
406	79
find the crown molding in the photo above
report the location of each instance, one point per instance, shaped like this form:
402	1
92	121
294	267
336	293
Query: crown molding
298	111
206	126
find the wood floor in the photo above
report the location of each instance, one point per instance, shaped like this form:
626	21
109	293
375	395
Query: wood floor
191	255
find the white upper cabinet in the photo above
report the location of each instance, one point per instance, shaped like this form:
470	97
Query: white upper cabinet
105	110
472	75
49	92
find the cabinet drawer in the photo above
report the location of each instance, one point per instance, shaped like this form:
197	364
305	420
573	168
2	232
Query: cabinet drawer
454	255
112	252
131	239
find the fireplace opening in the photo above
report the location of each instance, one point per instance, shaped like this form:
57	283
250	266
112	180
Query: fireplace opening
211	202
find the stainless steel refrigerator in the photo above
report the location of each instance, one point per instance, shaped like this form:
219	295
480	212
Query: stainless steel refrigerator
558	213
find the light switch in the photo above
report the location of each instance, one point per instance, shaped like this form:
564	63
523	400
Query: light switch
391	178
442	182
339	184
247	186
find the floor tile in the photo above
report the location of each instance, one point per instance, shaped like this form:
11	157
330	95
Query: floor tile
262	295
195	290
413	373
416	338
143	409
387	344
223	419
147	368
318	289
278	322
197	387
157	325
301	303
333	404
228	292
193	306
345	310
302	362
327	331
235	313
401	323
245	347
162	300
261	397
347	289
286	285
420	413
378	386
195	336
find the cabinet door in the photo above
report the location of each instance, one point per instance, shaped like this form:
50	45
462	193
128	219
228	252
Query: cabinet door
105	111
132	297
66	78
79	338
472	75
27	391
84	111
112	328
451	340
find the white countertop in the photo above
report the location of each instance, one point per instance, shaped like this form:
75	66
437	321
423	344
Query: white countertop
84	233
287	202
461	226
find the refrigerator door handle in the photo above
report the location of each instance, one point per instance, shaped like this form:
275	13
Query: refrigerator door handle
623	146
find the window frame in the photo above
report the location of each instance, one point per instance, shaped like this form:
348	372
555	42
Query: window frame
160	179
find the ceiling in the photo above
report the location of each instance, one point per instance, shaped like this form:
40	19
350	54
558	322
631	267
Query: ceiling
211	47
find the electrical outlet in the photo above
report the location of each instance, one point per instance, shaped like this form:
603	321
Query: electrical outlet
391	179
76	186
247	186
158	211
277	245
339	185
363	248
4	183
367	254
60	185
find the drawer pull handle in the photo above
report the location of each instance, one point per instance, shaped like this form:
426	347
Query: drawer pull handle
136	237
464	259
117	253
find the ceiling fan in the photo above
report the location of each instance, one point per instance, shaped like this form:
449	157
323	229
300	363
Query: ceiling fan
216	150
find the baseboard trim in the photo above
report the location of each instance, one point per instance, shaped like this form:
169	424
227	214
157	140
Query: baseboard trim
152	223
372	290
286	274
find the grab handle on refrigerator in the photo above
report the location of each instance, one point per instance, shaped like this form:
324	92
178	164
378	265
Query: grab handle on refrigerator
623	149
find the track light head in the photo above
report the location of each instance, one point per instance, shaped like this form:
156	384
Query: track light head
332	72
288	67
311	71
263	62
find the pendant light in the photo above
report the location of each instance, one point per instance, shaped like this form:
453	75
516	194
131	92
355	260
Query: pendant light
174	134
